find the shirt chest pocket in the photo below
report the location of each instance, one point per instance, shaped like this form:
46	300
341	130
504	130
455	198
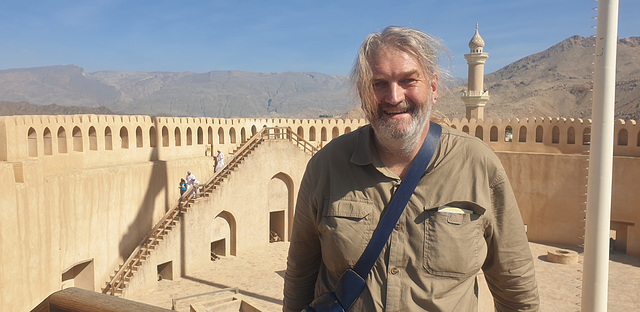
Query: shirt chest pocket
345	231
453	238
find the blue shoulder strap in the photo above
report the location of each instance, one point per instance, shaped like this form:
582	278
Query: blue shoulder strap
353	280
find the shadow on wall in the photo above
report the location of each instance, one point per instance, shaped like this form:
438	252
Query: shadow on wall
144	219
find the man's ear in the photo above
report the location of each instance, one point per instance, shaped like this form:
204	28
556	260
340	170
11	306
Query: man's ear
434	87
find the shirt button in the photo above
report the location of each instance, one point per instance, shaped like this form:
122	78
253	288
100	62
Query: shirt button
398	227
394	271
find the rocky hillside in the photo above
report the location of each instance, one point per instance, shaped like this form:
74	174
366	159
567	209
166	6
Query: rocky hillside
24	108
212	94
556	82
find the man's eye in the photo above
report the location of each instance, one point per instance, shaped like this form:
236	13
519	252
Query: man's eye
379	84
407	81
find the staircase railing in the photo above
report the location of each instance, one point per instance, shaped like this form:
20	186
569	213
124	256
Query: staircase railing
164	226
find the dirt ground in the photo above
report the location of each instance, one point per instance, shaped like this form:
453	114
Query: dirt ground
258	275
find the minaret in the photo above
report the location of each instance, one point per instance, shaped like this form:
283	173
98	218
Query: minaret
476	97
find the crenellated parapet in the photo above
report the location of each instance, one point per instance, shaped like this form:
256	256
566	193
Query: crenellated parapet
63	142
95	140
548	134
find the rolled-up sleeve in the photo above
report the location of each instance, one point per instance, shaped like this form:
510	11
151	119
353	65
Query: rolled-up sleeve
304	257
509	268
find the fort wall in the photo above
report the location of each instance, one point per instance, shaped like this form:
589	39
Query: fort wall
77	138
81	191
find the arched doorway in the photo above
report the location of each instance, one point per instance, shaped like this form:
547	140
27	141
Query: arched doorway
280	204
223	241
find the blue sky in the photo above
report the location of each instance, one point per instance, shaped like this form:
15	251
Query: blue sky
277	35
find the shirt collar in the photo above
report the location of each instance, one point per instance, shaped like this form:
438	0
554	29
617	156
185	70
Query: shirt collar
363	153
366	153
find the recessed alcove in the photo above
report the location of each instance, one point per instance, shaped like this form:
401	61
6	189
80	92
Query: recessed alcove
165	271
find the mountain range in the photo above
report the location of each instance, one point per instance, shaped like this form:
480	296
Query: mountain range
556	82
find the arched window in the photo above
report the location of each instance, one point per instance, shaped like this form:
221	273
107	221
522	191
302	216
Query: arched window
108	139
153	137
623	137
586	136
335	132
508	134
312	134
571	135
555	135
77	139
200	136
300	132
253	130
189	137
124	138
539	133
210	136
232	136
347	129
243	135
493	134
479	133
47	141
465	129
177	137
93	139
32	138
220	136
453	126
522	135
62	141
165	136
139	142
323	134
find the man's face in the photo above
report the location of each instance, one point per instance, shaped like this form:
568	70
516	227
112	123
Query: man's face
404	96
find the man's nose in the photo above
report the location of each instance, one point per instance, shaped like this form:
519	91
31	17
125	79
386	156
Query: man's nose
395	94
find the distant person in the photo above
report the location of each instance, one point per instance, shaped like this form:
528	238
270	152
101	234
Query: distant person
191	181
461	219
183	187
220	161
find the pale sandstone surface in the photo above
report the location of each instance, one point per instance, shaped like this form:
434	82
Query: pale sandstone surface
259	277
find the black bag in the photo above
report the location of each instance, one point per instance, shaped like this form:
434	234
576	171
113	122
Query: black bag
349	287
327	302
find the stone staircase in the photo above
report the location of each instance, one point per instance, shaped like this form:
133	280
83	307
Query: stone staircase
125	272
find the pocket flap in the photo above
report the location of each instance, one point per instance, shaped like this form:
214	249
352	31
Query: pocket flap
348	209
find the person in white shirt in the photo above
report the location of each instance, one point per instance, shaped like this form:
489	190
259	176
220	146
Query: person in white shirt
191	180
220	161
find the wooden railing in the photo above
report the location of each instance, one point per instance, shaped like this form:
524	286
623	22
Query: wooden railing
80	300
125	272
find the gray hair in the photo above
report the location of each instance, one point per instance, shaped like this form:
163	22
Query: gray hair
425	48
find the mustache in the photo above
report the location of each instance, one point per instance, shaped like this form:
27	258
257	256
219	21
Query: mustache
404	105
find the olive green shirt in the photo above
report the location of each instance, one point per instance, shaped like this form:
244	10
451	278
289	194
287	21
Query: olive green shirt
461	218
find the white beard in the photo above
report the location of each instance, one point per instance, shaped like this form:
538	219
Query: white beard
399	137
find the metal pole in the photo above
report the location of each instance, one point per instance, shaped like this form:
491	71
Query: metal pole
596	249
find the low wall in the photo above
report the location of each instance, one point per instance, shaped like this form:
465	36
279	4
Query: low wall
552	193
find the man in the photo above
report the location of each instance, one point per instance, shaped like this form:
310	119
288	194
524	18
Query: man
461	218
219	161
191	181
